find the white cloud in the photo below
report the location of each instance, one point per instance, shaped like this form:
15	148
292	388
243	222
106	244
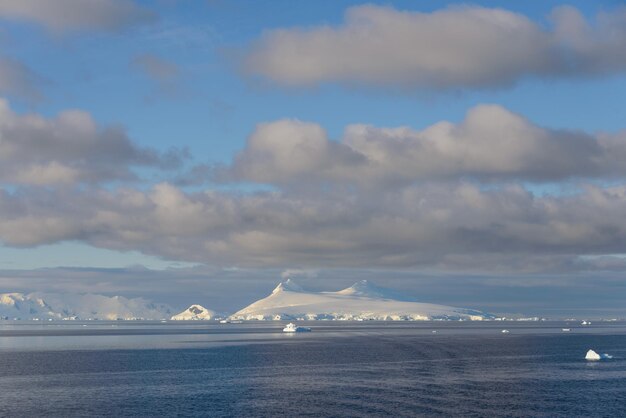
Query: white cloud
70	15
69	148
289	151
455	47
441	227
491	144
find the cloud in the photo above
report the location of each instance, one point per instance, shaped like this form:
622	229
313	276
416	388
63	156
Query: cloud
155	67
70	148
19	81
166	74
295	273
290	151
72	15
453	48
490	144
437	227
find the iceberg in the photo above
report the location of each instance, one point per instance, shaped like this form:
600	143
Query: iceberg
505	331
592	356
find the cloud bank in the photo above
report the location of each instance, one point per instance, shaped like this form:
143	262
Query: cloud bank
381	198
453	48
447	227
490	144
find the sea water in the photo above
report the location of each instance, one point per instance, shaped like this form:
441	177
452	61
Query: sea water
153	369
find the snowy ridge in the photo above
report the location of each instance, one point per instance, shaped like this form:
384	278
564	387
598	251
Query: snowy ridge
43	306
195	313
361	301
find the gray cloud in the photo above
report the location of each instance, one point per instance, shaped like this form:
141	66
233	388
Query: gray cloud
70	15
68	149
166	74
155	67
491	143
443	227
18	80
455	47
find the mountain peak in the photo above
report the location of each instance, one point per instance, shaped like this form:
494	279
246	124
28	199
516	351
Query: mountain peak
287	286
194	312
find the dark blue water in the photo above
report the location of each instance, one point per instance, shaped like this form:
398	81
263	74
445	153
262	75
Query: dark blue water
337	370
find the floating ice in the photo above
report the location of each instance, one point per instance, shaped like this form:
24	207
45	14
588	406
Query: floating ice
592	355
505	331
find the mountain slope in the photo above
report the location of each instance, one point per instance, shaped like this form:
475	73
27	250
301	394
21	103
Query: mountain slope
71	306
361	301
193	313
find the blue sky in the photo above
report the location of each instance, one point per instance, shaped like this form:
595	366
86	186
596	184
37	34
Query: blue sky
196	139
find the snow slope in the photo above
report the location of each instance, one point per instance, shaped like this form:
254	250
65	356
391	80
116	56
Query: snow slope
194	312
72	306
361	301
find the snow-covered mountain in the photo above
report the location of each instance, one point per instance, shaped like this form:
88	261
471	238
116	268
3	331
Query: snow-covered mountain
361	301
72	306
194	312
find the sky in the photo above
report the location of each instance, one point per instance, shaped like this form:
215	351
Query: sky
470	154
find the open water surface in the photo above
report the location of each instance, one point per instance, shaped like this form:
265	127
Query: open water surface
468	369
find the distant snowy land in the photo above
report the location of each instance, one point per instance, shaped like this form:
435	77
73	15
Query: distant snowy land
361	301
54	306
288	301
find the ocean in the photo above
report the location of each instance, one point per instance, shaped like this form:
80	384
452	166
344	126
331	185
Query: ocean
340	369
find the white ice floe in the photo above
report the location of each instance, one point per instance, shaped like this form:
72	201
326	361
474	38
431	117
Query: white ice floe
361	301
505	331
593	356
566	330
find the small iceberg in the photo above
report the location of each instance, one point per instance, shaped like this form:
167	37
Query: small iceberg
505	331
585	323
290	327
566	330
593	356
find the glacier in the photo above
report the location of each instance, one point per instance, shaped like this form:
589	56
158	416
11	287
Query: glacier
55	306
361	301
